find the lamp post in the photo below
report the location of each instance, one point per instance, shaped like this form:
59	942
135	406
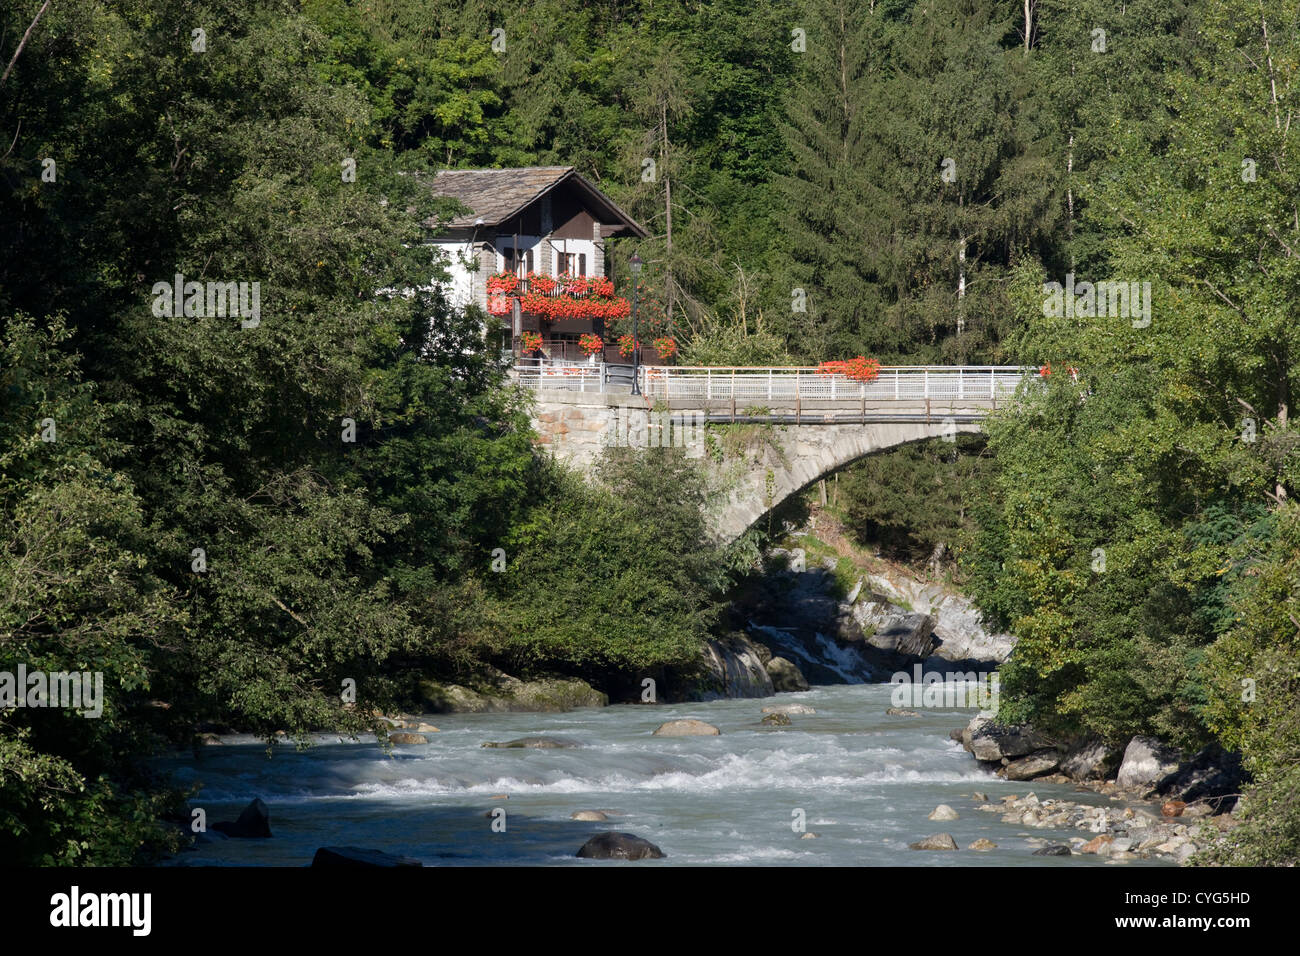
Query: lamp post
635	265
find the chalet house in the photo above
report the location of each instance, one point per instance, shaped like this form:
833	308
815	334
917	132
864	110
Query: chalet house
531	253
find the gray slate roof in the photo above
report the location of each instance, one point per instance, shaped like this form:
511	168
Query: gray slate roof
496	195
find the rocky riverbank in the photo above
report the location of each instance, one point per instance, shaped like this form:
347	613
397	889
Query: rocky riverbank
1168	804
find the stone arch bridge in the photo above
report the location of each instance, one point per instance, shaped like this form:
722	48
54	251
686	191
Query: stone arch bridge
763	434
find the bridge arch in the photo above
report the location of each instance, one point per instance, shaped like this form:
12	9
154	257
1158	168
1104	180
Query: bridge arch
810	424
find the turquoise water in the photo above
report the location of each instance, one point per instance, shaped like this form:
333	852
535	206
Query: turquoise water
864	781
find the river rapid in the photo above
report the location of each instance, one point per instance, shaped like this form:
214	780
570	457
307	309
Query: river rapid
862	780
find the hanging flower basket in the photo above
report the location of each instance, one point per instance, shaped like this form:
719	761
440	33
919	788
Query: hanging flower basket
627	345
590	344
530	342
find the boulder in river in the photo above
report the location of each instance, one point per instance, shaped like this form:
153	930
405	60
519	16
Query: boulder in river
405	737
733	667
358	857
619	846
1147	760
534	743
1056	849
900	712
775	720
594	816
936	841
786	677
991	742
943	812
686	728
1034	765
253	823
983	844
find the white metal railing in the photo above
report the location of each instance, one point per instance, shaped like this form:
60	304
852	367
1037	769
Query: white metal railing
565	376
754	386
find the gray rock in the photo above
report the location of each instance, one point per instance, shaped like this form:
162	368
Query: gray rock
900	712
943	812
358	857
936	841
734	668
776	720
786	678
983	844
590	815
619	846
1056	849
1146	761
991	742
1034	765
1091	760
535	743
253	823
686	728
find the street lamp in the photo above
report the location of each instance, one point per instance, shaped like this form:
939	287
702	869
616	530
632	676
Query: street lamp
635	265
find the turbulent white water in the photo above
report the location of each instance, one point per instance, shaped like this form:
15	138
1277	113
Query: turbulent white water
865	783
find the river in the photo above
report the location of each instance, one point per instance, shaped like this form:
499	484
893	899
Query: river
864	781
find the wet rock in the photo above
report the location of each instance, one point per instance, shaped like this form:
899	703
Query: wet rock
686	728
253	823
900	712
1096	844
404	738
1034	765
594	816
936	841
786	677
358	857
992	742
1056	849
776	720
734	668
809	836
943	812
1172	808
980	797
983	844
534	743
619	846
